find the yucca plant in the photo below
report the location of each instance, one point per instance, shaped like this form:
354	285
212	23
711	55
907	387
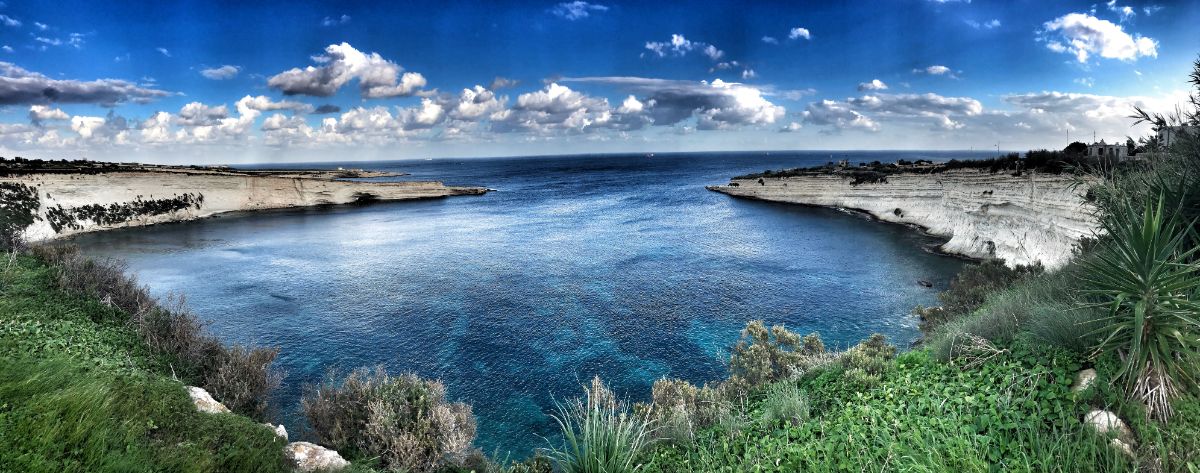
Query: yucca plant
1146	278
600	434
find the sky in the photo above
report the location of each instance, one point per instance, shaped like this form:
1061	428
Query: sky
235	82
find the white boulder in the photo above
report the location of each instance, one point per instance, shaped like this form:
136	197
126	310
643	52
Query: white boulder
1106	422
1083	380
279	430
305	456
204	402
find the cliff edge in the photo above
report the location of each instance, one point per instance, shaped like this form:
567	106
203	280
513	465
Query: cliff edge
1021	217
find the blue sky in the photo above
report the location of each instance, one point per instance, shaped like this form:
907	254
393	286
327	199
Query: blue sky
231	82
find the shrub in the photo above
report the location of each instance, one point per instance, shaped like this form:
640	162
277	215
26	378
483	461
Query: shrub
970	289
761	356
1060	325
866	362
600	434
18	209
784	403
1143	278
403	420
241	378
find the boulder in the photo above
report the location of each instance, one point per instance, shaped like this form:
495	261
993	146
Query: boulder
305	456
279	430
1106	422
1083	380
204	402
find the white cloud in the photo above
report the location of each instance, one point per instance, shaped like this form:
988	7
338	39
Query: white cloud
875	84
935	70
22	87
944	110
677	45
749	74
798	32
39	114
989	25
41	26
1085	35
1126	12
198	114
631	105
837	116
6	48
221	73
791	127
163	51
334	21
1085	81
576	10
377	77
713	53
475	103
770	40
10	21
714	105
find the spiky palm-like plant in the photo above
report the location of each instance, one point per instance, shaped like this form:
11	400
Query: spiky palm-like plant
600	434
1147	279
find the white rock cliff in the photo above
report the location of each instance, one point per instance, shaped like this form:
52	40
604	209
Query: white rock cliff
1022	219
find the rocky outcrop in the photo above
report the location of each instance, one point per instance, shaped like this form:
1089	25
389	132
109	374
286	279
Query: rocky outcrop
278	429
1083	380
1022	219
81	202
204	401
304	456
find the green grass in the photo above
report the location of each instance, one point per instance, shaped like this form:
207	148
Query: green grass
1013	412
80	392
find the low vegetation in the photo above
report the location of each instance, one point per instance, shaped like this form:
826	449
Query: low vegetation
61	218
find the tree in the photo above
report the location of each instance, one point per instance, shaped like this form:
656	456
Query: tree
1076	148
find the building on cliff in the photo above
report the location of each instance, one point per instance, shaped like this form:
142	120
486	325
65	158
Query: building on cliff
1118	152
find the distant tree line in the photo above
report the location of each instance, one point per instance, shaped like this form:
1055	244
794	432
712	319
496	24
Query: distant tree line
61	218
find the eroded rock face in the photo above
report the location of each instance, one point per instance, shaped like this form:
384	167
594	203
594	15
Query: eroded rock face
1022	219
305	456
204	402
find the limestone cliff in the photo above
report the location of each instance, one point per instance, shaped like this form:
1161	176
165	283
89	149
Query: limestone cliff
1022	219
81	202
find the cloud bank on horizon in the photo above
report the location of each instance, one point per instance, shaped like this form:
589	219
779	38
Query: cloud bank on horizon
396	81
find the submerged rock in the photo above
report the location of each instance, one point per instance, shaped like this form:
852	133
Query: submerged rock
305	456
204	402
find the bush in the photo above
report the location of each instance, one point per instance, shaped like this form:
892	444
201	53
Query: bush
785	403
18	210
970	288
404	421
241	378
601	435
1142	278
1067	327
866	362
761	356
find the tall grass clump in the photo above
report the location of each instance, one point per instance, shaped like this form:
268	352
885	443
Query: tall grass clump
785	403
600	434
404	422
1145	277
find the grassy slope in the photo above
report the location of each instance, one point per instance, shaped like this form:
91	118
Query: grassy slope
1004	410
80	392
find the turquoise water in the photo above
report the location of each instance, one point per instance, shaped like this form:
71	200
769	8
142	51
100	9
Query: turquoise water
619	266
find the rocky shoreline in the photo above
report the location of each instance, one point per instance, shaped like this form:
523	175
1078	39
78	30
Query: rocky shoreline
1021	217
98	198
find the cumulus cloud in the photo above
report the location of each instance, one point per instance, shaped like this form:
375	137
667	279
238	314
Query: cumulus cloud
944	110
502	83
875	84
10	21
681	46
39	114
163	51
791	127
22	87
377	77
577	10
714	105
198	114
1084	35
798	32
837	116
221	73
476	102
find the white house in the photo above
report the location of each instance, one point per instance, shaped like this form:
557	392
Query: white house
1102	150
1169	134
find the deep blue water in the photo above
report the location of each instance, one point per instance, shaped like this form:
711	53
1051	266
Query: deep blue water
618	266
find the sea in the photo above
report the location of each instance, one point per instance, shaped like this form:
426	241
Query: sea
618	266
